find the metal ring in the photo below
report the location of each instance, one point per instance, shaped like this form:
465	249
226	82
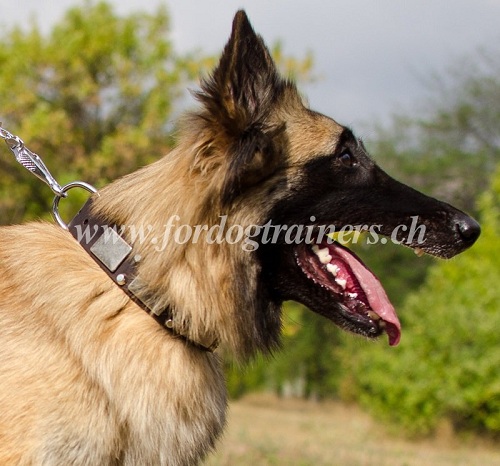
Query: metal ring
64	190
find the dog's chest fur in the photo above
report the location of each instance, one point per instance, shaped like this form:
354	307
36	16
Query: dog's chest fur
164	401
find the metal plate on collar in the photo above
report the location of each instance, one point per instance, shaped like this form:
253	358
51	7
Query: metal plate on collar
111	249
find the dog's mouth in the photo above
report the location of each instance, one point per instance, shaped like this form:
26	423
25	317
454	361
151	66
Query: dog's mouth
361	304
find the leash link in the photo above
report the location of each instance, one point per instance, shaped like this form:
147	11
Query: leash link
33	163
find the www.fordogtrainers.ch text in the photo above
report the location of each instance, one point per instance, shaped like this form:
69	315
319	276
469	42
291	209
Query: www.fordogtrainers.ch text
252	236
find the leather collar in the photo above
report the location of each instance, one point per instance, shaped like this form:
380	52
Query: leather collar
113	254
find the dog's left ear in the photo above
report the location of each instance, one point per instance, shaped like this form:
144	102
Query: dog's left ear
239	96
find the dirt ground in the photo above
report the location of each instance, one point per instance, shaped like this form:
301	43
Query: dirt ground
264	430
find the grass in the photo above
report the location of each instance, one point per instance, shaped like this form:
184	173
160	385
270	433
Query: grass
264	431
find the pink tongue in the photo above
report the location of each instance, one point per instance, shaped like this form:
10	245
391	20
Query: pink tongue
375	293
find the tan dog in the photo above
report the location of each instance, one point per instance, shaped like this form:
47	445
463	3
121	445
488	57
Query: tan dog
88	378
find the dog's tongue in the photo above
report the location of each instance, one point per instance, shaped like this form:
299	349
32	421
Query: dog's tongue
375	293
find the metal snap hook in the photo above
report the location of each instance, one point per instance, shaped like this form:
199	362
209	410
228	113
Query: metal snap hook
64	190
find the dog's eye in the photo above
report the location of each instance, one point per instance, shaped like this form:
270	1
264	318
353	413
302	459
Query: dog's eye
346	158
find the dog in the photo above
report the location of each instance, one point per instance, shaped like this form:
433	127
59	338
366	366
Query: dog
88	378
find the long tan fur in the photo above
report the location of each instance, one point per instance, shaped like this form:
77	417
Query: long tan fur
86	376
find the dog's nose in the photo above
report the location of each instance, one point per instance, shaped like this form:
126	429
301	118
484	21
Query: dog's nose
468	229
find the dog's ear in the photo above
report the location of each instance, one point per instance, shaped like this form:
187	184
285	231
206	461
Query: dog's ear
244	84
238	97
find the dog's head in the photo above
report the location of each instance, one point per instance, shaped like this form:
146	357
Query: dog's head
255	156
300	170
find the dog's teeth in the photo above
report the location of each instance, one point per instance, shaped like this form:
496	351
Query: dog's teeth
352	295
333	269
325	259
372	315
323	254
419	252
341	282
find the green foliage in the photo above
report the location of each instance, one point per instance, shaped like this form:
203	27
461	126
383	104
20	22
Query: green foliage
292	67
305	367
93	98
448	359
241	380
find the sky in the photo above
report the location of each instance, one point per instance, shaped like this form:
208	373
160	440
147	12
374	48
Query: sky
371	57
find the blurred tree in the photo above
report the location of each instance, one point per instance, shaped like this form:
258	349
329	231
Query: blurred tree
450	146
307	366
297	69
95	98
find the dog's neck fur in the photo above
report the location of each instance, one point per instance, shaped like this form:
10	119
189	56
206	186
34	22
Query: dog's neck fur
140	200
237	143
242	319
